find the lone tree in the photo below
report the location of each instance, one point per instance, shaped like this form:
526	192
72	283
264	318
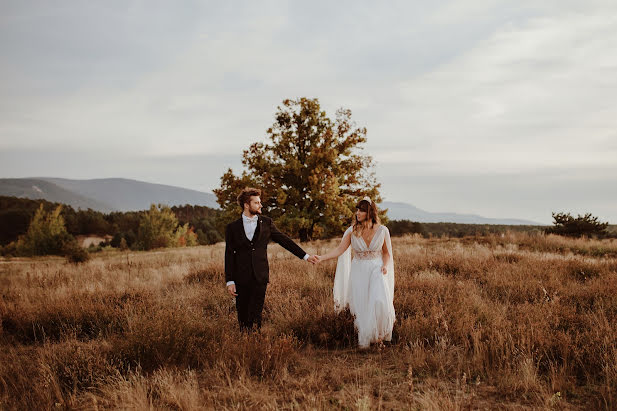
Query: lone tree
586	225
311	171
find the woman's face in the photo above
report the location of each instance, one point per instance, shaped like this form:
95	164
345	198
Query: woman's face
361	215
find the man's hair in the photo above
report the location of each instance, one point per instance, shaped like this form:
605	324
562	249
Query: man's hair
245	195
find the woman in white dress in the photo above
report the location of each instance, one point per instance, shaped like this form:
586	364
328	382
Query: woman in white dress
364	282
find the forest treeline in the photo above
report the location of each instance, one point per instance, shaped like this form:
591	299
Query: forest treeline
564	224
16	215
457	230
189	225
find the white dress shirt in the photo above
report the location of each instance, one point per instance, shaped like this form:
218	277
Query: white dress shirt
250	225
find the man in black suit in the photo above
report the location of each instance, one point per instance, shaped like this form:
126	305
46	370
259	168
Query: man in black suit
246	258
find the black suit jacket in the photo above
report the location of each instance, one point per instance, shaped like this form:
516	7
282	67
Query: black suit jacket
247	260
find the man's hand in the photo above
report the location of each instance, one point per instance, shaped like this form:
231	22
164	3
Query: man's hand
231	288
314	259
384	269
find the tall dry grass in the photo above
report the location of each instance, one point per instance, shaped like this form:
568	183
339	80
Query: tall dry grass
501	321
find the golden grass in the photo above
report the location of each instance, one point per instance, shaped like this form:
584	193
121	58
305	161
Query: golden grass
514	321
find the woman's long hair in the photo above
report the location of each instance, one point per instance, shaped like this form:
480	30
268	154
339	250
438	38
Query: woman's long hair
372	217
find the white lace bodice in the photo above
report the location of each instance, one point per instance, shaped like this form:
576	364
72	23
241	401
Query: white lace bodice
362	251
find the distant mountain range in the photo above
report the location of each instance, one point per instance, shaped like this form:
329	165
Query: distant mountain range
404	211
120	194
106	194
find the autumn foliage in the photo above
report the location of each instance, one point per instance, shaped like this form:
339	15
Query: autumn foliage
311	171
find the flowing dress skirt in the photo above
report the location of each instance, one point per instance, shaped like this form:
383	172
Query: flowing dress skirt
369	301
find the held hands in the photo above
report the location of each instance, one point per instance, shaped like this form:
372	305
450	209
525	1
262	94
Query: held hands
314	259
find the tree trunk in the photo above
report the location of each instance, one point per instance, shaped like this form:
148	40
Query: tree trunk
304	235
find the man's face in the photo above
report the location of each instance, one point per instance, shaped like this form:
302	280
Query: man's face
254	205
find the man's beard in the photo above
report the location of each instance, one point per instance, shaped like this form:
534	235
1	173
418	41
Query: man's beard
254	212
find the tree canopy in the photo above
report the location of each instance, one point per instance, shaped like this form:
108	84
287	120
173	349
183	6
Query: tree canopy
158	228
311	171
47	235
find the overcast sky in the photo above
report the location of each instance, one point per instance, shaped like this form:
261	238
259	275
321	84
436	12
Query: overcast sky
498	108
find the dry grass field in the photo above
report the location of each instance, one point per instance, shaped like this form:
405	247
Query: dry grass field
508	322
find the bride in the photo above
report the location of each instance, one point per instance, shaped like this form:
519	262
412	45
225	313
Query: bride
365	283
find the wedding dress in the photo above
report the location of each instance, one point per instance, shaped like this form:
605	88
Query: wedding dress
360	285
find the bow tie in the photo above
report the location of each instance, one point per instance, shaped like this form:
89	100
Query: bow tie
251	220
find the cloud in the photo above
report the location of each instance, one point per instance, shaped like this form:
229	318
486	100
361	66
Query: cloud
452	90
527	96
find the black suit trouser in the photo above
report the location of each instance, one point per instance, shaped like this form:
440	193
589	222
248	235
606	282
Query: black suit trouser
250	304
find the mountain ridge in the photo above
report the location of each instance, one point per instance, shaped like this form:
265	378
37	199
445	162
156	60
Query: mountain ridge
37	188
405	211
123	194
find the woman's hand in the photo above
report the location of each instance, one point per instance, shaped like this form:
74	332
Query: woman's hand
384	270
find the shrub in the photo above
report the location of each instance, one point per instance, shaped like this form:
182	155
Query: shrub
185	236
77	255
586	225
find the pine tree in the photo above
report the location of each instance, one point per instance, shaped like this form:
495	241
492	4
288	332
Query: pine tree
582	225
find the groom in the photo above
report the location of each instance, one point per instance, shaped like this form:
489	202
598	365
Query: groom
246	258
